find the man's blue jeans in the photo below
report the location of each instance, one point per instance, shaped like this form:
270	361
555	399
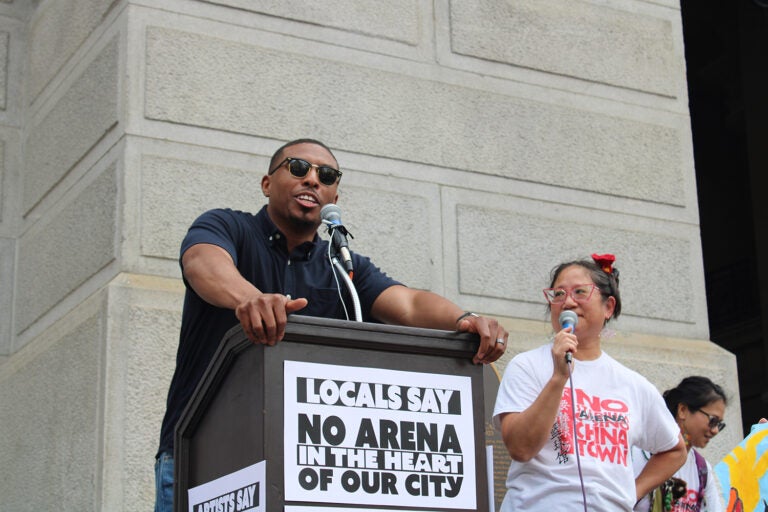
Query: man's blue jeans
164	483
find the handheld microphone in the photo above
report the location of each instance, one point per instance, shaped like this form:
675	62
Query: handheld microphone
568	319
331	217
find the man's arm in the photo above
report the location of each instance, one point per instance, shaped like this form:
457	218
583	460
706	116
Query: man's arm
417	308
212	274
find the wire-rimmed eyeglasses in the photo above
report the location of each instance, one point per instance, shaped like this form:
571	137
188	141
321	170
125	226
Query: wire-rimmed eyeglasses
579	293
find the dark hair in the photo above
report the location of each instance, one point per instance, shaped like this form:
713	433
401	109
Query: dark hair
278	156
695	392
608	284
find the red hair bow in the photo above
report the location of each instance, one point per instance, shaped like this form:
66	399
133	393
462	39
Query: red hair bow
605	262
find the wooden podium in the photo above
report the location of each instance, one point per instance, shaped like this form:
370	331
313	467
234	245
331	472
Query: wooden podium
339	416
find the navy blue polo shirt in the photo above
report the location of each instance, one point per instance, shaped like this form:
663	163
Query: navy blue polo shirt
260	253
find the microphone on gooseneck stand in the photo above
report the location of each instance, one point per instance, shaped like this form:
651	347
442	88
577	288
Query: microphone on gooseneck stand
568	319
331	217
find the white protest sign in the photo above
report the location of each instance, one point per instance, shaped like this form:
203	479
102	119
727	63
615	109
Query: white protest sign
241	491
369	436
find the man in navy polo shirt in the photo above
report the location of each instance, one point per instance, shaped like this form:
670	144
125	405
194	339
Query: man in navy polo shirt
255	270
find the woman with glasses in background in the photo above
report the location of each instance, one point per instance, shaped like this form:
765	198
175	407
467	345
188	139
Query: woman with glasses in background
571	386
698	406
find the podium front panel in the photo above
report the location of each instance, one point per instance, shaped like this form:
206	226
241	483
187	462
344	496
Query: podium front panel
377	418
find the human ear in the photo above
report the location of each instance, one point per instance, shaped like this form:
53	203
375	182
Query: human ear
265	185
610	306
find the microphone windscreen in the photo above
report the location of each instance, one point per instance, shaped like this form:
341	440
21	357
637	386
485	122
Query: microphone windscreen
331	213
568	319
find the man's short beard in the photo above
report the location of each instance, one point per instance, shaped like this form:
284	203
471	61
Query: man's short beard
301	223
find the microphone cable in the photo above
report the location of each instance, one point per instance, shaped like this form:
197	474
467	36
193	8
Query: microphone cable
575	440
336	278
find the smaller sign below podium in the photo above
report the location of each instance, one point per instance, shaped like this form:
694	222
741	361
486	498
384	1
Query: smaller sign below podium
241	491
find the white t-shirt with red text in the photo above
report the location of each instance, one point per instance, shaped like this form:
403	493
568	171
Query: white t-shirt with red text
712	502
615	408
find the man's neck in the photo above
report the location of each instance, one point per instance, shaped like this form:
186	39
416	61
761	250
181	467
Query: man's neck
295	233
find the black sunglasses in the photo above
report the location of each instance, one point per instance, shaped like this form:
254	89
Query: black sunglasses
714	421
299	168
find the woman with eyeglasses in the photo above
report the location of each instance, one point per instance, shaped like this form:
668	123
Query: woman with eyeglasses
698	406
569	413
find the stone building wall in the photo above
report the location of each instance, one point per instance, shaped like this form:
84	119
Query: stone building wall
482	142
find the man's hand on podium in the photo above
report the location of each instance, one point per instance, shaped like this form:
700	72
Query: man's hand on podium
493	336
264	316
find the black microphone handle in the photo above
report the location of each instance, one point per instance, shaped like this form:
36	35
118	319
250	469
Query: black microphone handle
341	245
339	240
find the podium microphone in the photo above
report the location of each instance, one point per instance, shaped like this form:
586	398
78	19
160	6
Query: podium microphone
331	217
568	319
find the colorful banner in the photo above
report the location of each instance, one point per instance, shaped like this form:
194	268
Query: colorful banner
743	473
